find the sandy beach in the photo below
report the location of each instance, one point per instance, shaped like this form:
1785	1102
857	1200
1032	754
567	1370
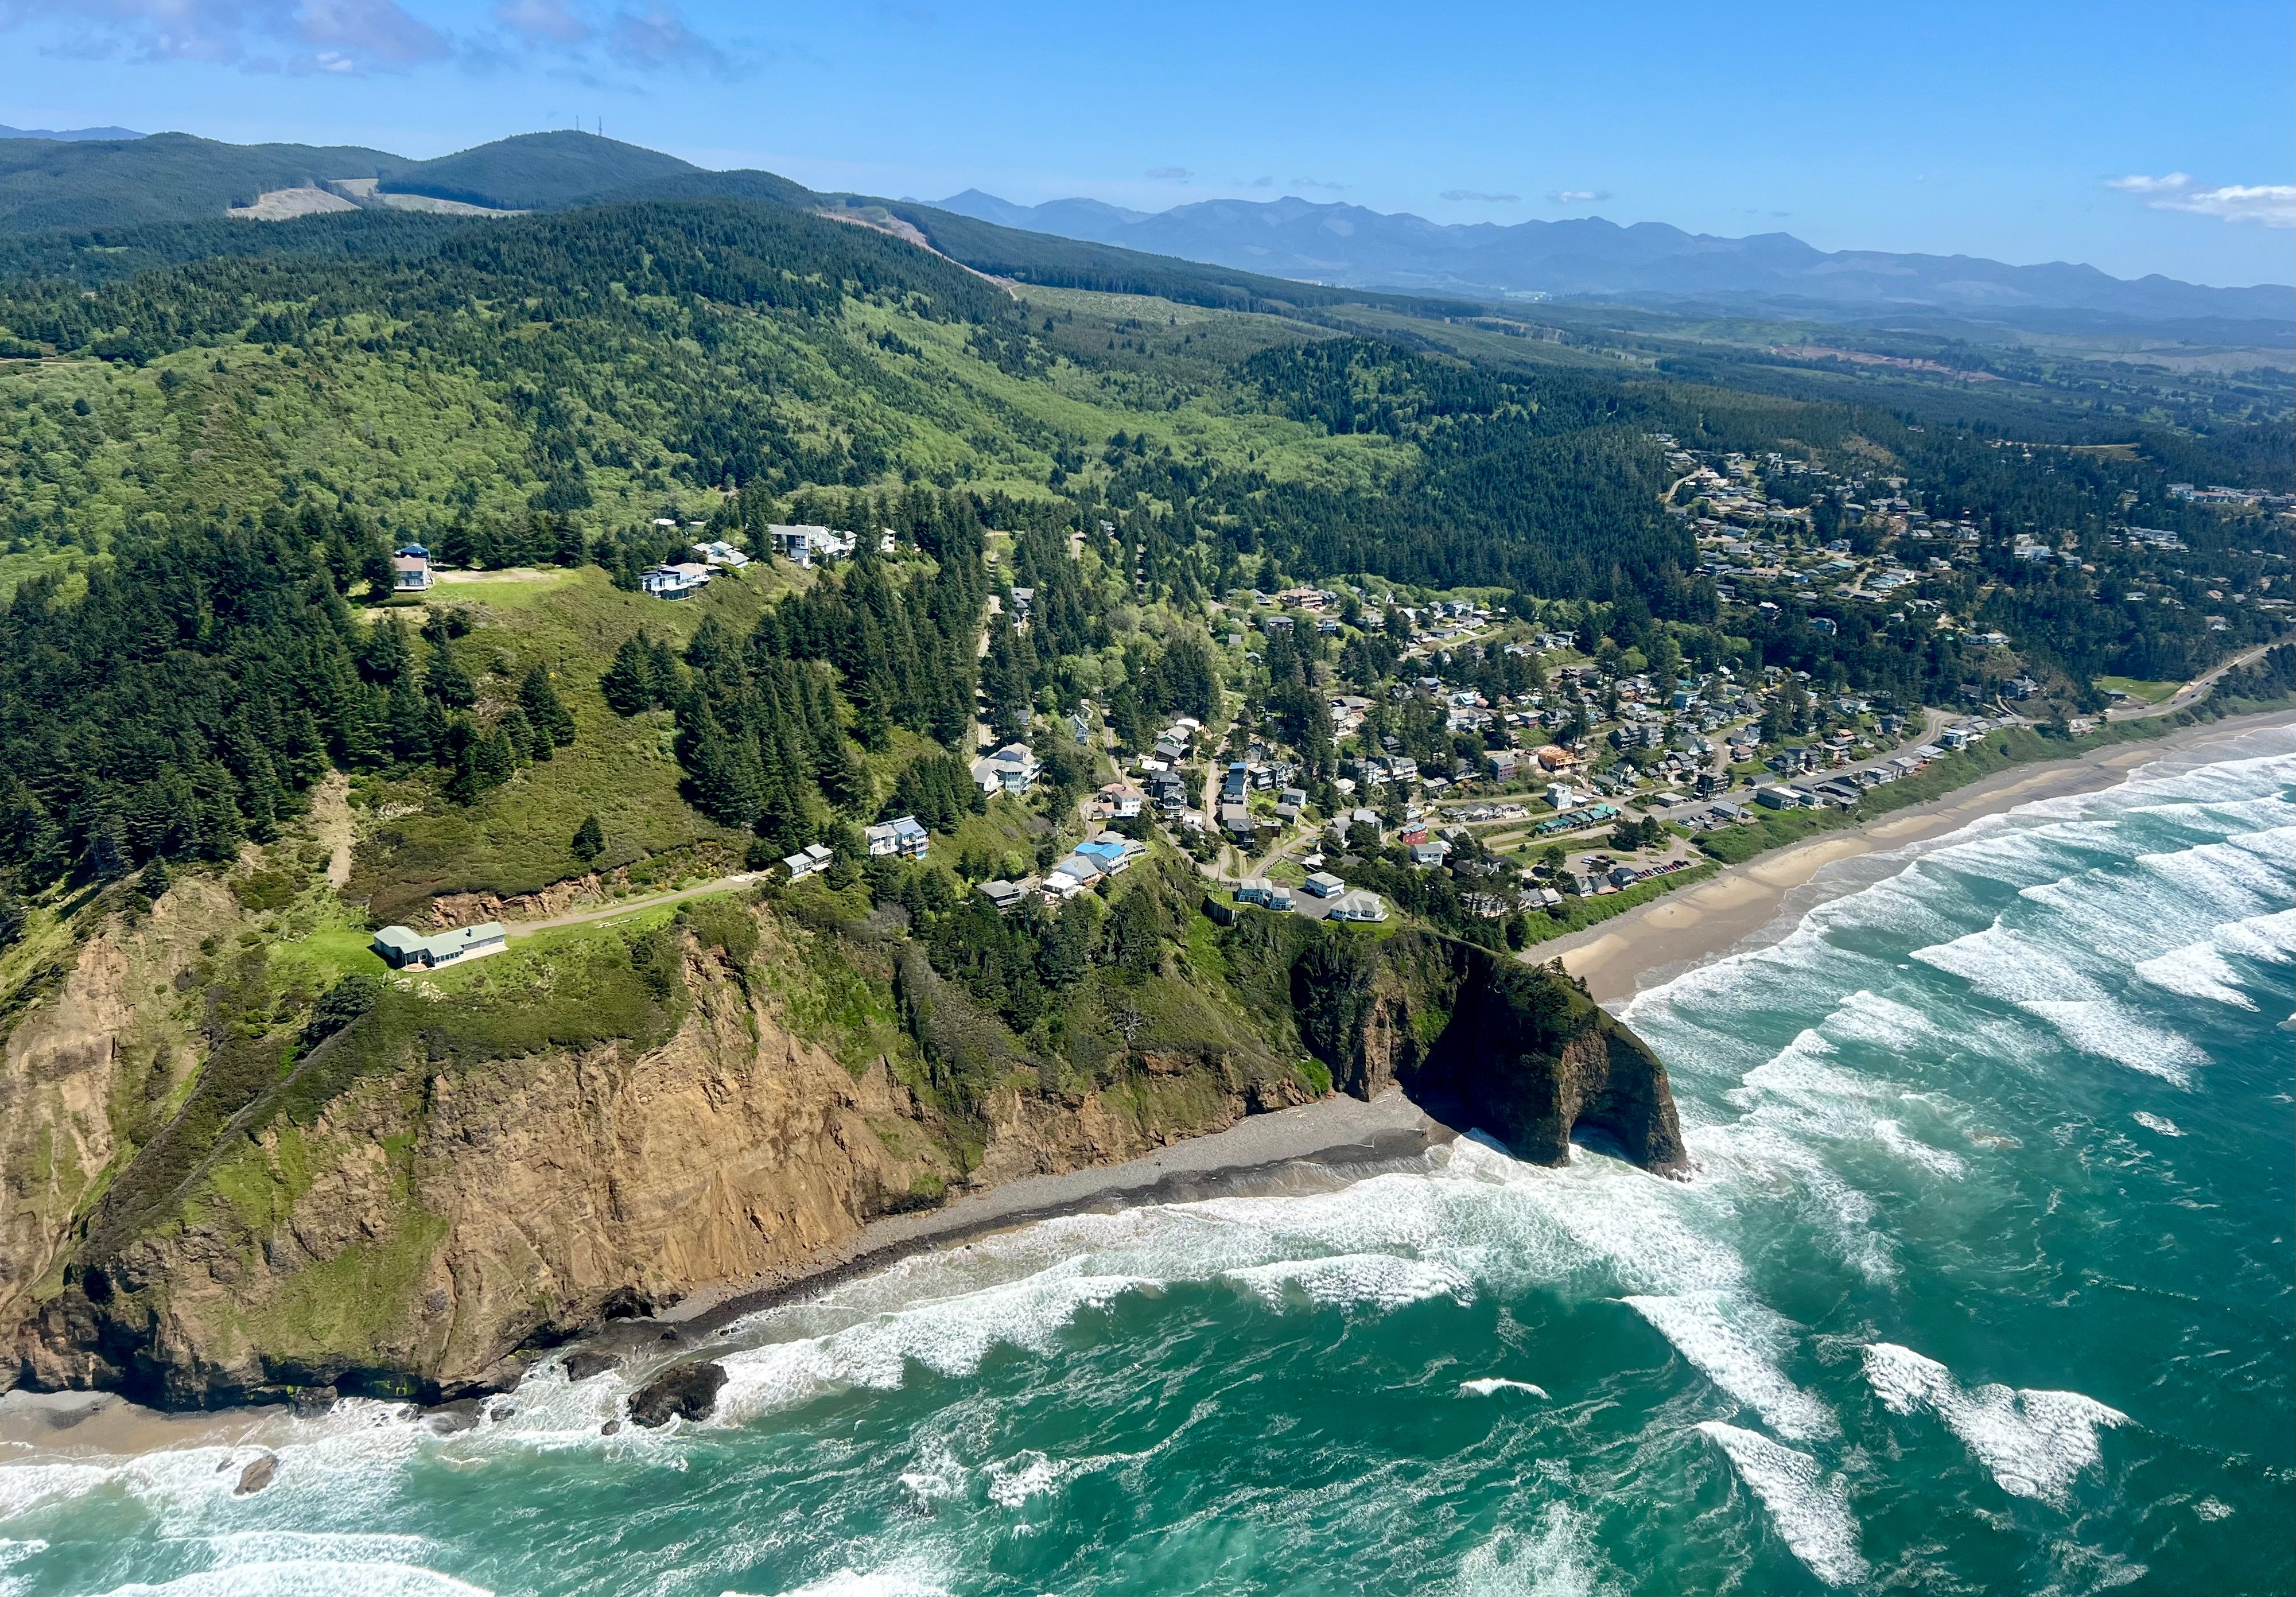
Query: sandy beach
1748	906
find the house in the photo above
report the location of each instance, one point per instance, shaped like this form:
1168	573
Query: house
1012	769
1554	757
888	542
1502	762
1078	872
904	836
679	581
1080	728
1236	782
1235	820
1562	796
1004	896
1290	803
1428	855
1267	894
1113	853
1323	884
1357	905
719	552
404	948
1777	798
410	569
1119	801
805	545
811	860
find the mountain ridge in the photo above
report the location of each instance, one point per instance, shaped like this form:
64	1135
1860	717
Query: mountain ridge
1353	246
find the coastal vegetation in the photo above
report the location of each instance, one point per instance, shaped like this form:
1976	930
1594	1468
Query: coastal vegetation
1126	520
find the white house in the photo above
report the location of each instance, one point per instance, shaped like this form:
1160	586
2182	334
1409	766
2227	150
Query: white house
410	569
1323	884
902	836
811	860
719	552
401	947
806	544
1357	905
1012	769
679	581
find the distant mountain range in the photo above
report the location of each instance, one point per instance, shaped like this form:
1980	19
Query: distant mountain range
7	132
1349	245
1222	251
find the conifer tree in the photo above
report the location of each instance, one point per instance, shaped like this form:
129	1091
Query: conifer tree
589	841
541	703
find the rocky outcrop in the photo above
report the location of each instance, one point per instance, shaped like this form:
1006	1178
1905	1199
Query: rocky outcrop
681	1392
450	910
1518	1050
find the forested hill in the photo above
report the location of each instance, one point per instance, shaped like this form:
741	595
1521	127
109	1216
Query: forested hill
203	466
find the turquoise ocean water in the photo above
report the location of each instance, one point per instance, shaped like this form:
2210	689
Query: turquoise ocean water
1984	1283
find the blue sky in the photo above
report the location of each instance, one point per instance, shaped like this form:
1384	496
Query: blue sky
2138	138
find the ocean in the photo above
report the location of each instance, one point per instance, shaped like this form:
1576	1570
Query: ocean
1983	1282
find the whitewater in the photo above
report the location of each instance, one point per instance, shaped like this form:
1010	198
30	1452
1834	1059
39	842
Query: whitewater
1983	1281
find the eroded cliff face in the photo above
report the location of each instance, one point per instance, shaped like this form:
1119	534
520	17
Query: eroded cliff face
409	1226
1517	1049
100	1047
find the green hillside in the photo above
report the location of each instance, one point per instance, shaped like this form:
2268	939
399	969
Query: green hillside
538	171
166	177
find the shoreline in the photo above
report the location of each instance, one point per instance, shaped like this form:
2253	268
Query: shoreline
1328	1142
1317	1146
1742	907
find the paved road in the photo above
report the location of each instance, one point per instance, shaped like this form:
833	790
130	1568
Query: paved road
2193	691
527	929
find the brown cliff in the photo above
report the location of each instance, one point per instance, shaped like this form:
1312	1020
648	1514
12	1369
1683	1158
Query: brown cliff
404	1207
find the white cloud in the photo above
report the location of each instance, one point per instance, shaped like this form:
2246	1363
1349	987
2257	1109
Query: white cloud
257	36
660	38
542	22
1169	174
350	37
2274	205
1477	197
1577	196
1317	182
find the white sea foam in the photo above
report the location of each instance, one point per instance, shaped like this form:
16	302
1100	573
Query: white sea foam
1737	1345
1487	1385
308	1577
1557	1558
2196	970
2108	1030
902	1579
2165	1126
1379	1280
1030	1474
2268	939
949	1338
28	1485
1810	1510
2034	1443
2001	962
1893	1135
